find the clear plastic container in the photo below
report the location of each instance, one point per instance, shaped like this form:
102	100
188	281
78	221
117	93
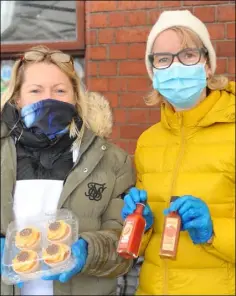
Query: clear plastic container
40	246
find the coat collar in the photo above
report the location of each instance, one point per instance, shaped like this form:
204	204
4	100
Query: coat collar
219	106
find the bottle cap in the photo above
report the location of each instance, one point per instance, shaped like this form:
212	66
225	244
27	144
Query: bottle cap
173	198
142	203
139	207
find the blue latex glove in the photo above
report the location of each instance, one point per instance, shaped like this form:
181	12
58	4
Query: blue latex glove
2	250
80	252
131	199
19	285
195	217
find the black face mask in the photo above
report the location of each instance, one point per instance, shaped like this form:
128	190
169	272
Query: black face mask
42	123
49	117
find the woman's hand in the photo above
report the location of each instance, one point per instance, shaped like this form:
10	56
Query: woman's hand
195	217
130	201
80	252
2	249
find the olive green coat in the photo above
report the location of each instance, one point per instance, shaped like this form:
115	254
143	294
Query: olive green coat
100	223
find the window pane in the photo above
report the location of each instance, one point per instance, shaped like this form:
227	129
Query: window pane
38	21
6	69
79	69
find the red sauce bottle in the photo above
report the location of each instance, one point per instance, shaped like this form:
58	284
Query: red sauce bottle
131	236
170	234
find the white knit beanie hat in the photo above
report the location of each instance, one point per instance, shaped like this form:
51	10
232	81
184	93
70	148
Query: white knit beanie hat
182	18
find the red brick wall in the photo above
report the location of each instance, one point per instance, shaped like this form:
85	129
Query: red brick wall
116	33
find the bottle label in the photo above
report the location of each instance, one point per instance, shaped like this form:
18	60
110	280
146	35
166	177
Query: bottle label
170	234
127	230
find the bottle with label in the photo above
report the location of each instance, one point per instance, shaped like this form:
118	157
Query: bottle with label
131	236
170	234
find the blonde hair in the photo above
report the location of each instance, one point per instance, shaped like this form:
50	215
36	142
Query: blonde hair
188	38
13	90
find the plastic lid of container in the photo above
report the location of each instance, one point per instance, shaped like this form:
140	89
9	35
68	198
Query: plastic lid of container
31	245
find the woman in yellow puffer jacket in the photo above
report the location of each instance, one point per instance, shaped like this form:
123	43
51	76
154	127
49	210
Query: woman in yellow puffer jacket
190	154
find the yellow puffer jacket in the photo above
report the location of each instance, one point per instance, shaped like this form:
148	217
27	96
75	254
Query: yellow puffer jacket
191	152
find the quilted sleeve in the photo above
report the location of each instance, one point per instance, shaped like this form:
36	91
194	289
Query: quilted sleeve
223	244
103	259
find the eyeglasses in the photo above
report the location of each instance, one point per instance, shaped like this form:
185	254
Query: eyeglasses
55	56
187	57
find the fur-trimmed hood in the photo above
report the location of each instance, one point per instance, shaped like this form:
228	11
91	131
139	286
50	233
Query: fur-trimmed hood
98	115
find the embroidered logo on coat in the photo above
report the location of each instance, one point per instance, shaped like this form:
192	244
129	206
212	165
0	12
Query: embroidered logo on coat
95	191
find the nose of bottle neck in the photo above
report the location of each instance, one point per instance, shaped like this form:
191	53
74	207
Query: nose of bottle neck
139	208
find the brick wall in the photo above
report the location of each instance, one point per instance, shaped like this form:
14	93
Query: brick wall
116	33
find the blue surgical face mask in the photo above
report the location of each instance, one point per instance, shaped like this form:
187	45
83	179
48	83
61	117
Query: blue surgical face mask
181	85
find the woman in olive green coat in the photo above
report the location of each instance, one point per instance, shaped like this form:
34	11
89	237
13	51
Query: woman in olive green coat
53	143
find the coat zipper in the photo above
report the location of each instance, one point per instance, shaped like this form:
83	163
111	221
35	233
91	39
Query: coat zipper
180	155
75	163
172	188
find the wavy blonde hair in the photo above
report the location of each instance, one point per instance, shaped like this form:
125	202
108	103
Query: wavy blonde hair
13	90
188	38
